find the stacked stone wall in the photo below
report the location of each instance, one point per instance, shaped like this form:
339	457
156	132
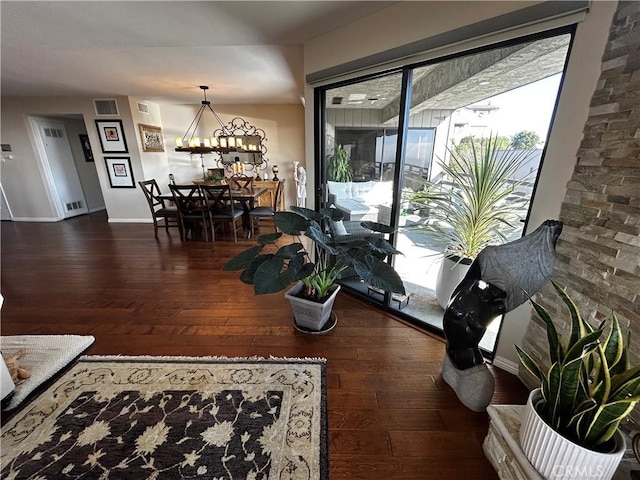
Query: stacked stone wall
598	253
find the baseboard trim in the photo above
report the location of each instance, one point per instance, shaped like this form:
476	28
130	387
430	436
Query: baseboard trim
130	220
506	365
36	219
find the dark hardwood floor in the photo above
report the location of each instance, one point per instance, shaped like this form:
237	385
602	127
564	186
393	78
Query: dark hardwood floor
391	416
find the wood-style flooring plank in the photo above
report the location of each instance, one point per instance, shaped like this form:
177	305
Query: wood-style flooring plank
391	417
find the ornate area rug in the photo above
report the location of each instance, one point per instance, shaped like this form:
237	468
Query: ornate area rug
173	418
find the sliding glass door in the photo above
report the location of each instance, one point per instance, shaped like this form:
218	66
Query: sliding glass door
387	159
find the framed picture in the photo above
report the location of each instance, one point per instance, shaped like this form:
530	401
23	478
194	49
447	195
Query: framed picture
86	147
120	173
151	138
111	136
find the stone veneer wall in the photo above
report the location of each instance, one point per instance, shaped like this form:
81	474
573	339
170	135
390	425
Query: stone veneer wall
598	253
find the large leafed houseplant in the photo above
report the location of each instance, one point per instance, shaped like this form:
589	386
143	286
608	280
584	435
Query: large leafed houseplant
316	263
473	205
588	389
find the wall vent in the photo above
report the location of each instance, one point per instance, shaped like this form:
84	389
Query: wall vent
336	101
53	133
105	107
143	108
74	205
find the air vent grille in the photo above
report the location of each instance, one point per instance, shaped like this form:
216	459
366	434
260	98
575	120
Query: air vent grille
74	205
143	108
106	107
53	133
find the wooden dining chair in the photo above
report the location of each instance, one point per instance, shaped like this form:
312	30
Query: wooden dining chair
159	210
256	213
239	182
221	208
192	214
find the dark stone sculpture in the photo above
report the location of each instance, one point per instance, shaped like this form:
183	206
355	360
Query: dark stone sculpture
466	318
500	279
521	267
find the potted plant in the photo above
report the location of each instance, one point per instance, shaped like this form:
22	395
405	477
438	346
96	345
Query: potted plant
570	428
469	208
316	271
338	168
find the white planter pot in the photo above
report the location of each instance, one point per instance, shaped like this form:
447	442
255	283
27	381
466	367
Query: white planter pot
557	458
308	314
450	275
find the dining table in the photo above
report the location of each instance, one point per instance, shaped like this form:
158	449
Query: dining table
246	197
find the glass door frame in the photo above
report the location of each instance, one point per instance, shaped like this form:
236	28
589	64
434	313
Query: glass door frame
320	153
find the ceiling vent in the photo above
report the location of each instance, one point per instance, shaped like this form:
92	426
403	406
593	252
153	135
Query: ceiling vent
105	107
143	108
336	101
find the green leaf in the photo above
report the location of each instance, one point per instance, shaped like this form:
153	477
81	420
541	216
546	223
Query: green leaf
579	328
379	274
614	348
307	213
291	223
270	277
618	381
268	238
569	387
304	272
243	259
248	274
333	214
290	251
552	397
377	227
321	239
556	348
383	246
604	417
529	363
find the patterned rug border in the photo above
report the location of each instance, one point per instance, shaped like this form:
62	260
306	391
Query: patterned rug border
320	361
178	358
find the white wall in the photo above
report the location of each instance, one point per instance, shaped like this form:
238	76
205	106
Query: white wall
406	22
22	179
154	164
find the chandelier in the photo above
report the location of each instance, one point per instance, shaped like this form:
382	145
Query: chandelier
223	140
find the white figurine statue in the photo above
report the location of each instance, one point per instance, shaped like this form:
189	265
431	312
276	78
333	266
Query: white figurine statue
300	176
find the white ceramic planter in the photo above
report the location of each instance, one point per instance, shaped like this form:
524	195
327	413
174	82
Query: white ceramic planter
450	275
308	314
557	458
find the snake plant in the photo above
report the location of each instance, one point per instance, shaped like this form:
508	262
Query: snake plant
589	387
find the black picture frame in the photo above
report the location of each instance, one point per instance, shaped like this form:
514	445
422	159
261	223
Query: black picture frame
120	172
86	148
111	134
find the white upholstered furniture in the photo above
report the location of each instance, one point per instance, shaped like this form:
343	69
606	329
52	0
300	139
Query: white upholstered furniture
360	200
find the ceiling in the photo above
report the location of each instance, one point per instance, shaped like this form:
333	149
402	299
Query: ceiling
247	52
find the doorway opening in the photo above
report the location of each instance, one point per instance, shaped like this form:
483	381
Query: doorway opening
67	165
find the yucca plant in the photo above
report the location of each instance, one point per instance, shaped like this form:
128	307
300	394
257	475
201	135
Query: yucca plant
470	209
589	387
